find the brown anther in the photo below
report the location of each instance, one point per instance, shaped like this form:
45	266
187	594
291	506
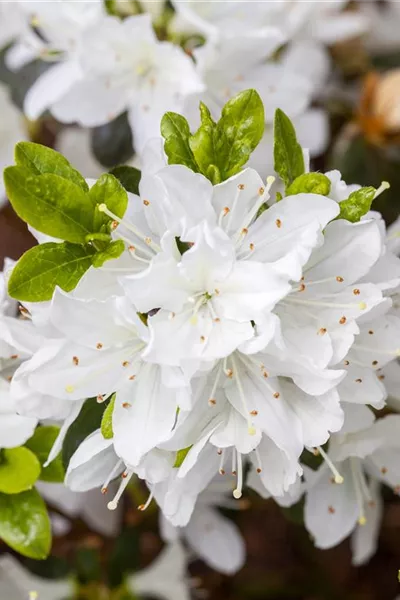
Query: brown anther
332	480
100	398
241	186
331	510
222	471
245	231
141	507
125	364
322	331
265	374
233	472
384	470
132	249
251	246
346	362
212	402
302	287
374	363
339	279
14	356
75	360
315	451
114	225
124	475
278	223
9	378
226	210
276	395
147	240
217	291
254	413
146	202
342	321
219	451
132	377
126	405
358	380
372	504
229	373
99	346
202	339
371	332
381	377
104	490
217	320
356	292
261	191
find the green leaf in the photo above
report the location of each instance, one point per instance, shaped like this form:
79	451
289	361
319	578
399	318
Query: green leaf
109	191
41	159
88	420
175	130
288	154
25	524
180	457
106	422
357	204
19	469
238	132
40	444
43	267
310	183
113	251
129	177
112	143
49	203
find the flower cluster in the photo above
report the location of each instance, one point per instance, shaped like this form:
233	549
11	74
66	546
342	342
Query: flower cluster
221	329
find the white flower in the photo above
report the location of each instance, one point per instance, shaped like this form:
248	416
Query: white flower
333	511
211	536
120	66
17	583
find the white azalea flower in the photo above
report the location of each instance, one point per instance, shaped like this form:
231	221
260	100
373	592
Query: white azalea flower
334	511
119	66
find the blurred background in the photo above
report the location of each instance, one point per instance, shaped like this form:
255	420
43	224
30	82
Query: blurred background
362	101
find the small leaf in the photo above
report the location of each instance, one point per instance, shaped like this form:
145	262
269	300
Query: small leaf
41	159
180	457
175	130
357	204
112	143
113	251
49	203
106	422
43	267
19	469
109	191
88	420
310	183
238	132
205	115
129	177
288	154
40	444
25	524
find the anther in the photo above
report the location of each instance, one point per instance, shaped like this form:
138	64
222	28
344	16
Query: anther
261	191
339	279
358	380
100	399
331	510
374	363
278	223
251	246
277	395
99	346
346	362
322	331
14	356
132	377
125	364
229	373
384	470
342	321
126	405
254	413
212	402
302	287
356	292
371	332
245	231
226	210
114	224
241	186
202	339
146	202
75	360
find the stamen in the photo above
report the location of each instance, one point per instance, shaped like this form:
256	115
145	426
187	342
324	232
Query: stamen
237	493
212	400
111	476
251	429
355	468
145	506
337	476
130	227
124	484
259	463
251	215
221	469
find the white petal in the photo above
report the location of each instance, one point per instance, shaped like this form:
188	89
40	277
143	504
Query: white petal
364	540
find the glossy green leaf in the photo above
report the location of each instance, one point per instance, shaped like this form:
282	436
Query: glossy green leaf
180	456
113	251
40	444
238	132
49	203
129	177
109	191
19	469
106	422
25	524
41	159
44	267
310	183
357	204
288	154
175	130
88	420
